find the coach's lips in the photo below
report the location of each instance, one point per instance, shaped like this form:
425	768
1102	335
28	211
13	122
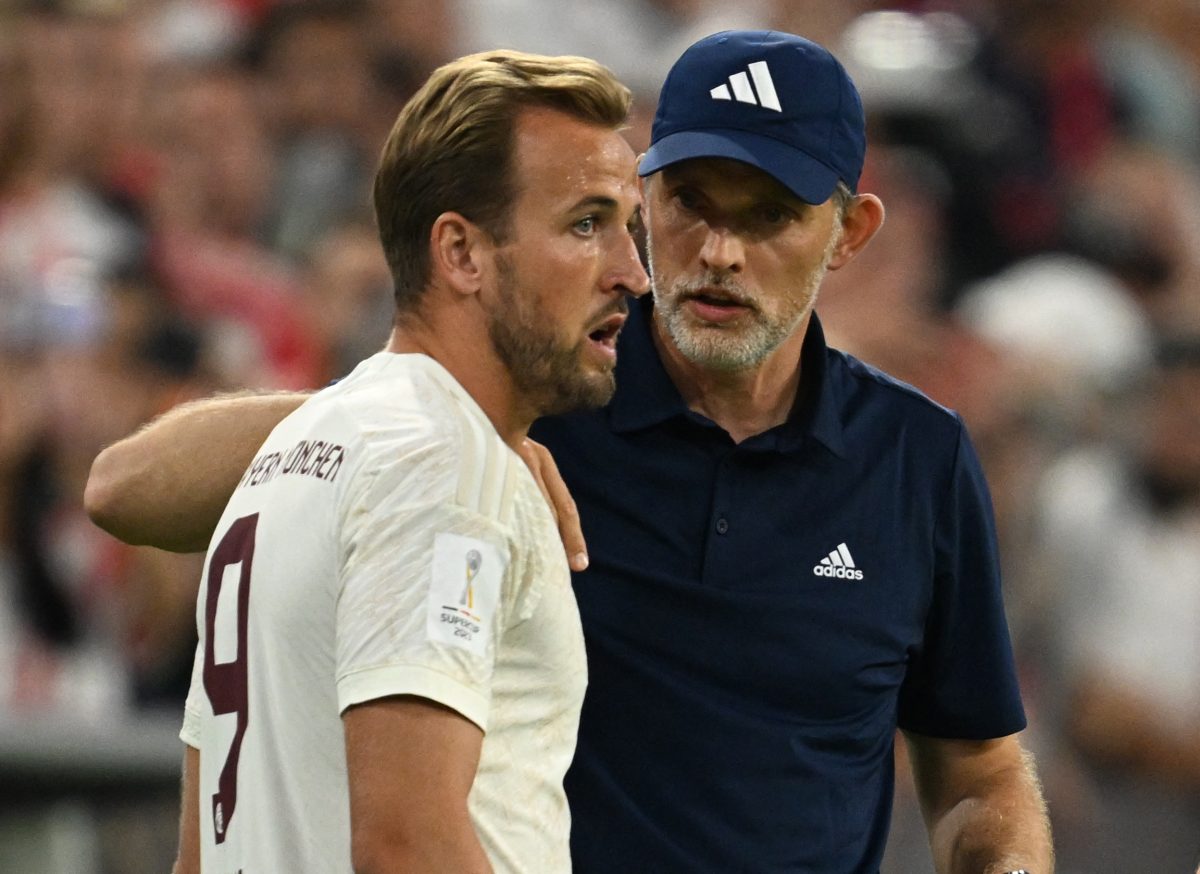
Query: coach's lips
715	305
603	338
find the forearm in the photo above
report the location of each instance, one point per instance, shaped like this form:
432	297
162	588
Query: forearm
187	861
411	764
994	834
993	822
449	847
167	484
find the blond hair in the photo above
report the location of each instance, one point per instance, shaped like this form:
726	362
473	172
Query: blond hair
451	148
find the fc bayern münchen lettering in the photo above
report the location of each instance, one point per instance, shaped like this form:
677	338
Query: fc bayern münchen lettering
317	458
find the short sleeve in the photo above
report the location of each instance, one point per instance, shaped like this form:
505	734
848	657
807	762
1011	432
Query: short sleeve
962	683
424	587
192	708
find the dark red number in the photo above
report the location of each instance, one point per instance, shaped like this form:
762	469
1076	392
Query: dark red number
225	683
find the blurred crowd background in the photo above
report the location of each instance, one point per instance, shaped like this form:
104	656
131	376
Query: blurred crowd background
184	209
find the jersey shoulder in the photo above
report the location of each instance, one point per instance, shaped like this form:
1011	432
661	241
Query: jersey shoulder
416	429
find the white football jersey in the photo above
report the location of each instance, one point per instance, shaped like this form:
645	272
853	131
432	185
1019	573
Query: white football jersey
384	541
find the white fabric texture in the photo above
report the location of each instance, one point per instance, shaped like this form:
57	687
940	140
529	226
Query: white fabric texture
400	547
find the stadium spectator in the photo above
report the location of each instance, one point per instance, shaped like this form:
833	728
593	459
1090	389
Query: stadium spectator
316	92
1120	537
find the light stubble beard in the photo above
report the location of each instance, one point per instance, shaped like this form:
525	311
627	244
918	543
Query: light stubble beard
735	348
549	374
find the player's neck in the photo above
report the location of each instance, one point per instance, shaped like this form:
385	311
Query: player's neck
744	403
476	367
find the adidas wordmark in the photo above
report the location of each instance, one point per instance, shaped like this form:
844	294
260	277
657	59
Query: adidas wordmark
838	564
739	88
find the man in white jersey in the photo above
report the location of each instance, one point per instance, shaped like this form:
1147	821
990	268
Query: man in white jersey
390	665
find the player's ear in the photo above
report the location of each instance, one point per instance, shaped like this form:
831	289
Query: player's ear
863	217
459	252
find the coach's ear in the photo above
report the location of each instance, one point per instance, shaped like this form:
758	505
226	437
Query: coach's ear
459	253
643	182
862	219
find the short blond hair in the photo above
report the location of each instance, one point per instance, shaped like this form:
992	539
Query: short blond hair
451	148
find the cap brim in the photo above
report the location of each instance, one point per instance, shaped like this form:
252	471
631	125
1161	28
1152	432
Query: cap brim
803	175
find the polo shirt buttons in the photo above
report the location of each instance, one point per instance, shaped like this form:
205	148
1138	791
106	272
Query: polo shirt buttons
722	525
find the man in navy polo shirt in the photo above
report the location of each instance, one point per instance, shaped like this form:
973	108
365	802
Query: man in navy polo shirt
791	553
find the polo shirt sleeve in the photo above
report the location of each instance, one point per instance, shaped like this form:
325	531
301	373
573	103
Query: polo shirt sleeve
962	682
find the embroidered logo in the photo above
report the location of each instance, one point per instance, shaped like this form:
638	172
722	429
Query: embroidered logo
838	564
740	89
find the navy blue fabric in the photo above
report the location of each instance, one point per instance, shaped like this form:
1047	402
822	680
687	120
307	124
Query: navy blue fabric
741	708
808	136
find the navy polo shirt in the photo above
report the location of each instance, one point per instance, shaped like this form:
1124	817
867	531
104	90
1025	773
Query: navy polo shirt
760	617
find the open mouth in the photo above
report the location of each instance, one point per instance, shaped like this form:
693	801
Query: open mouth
713	306
605	335
713	300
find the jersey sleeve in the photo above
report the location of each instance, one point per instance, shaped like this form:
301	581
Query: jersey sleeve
190	732
962	682
425	585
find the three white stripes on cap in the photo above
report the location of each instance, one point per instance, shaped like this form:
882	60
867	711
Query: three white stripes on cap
743	93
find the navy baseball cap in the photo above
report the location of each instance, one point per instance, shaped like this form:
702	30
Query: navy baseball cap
773	100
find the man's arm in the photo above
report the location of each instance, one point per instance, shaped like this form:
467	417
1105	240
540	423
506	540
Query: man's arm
983	805
188	859
411	764
167	484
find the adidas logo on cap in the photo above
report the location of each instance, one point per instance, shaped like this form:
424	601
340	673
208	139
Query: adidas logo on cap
787	107
838	564
739	88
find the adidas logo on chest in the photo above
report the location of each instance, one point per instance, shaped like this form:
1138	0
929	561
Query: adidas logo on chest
838	564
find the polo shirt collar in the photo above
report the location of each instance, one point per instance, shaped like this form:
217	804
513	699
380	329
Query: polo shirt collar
646	396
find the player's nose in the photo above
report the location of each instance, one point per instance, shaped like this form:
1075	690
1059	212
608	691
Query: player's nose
629	274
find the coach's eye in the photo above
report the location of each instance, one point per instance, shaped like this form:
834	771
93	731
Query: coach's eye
636	222
774	214
688	199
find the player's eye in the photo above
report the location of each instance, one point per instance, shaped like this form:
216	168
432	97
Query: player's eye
587	225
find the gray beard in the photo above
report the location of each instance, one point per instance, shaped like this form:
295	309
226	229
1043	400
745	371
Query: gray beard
733	351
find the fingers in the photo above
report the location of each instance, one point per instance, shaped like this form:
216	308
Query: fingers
558	496
567	512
